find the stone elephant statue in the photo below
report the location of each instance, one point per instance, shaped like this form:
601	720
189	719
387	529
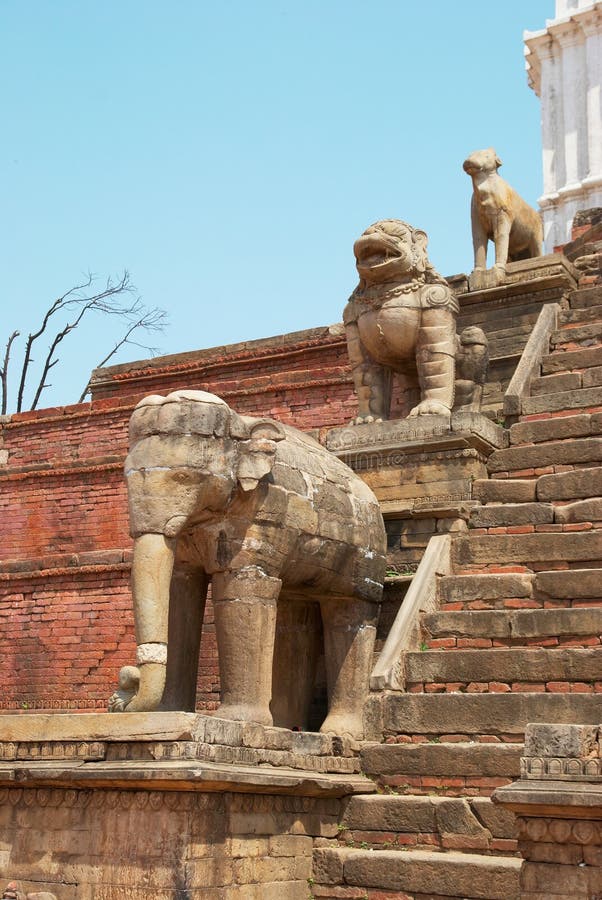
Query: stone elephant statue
282	530
401	319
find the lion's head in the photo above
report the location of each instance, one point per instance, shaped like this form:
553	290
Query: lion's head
390	250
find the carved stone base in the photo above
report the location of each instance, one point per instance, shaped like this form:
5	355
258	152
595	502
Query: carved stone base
189	806
421	470
558	803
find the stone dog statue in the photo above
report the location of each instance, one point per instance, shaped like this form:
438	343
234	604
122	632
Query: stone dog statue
498	214
275	523
401	319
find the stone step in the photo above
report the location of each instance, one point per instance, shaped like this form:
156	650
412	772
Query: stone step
568	360
556	428
426	766
574	585
429	874
529	549
577	334
424	873
585	297
511	626
574	451
462	590
455	823
552	384
581	316
576	485
507	490
484	714
504	670
584	398
508	514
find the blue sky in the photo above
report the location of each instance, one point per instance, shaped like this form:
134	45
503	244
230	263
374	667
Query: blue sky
229	153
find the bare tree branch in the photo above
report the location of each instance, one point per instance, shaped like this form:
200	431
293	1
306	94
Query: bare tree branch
152	320
4	371
80	301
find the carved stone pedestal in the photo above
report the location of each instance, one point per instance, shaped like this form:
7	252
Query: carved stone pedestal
166	805
558	802
421	470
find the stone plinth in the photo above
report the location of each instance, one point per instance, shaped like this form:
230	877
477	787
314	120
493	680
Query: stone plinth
558	803
421	470
185	806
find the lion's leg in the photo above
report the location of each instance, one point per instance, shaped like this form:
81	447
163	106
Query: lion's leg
435	361
371	381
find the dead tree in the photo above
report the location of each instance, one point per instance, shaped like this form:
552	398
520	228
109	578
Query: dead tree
116	298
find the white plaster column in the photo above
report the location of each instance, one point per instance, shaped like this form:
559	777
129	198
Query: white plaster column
564	65
591	24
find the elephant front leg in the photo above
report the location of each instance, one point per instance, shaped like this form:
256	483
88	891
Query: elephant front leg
349	634
151	576
372	382
435	361
245	606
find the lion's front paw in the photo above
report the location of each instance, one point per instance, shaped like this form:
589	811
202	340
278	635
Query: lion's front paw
431	408
365	420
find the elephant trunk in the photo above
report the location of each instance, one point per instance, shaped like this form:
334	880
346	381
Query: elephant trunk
151	576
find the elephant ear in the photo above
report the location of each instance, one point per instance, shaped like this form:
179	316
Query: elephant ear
257	454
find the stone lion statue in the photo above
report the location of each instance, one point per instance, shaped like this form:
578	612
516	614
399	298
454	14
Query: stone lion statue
401	318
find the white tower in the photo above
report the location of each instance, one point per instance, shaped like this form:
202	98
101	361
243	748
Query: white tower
564	67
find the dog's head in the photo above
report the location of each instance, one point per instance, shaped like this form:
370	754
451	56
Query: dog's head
482	161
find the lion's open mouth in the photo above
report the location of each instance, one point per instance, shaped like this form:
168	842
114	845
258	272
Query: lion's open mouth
372	252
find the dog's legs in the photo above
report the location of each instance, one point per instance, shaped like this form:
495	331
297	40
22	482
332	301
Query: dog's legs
436	363
479	238
502	239
372	381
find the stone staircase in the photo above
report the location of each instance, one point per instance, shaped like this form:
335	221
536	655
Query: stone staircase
516	639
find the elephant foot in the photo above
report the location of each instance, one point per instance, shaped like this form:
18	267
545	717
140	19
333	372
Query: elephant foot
430	408
244	713
341	725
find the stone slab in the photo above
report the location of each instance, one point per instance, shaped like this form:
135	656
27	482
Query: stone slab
574	584
476	549
553	429
580	511
442	759
569	664
570	740
152	726
505	490
581	399
485	713
512	514
450	874
580	483
462	429
412	814
181	775
514	623
556	453
572	359
484	587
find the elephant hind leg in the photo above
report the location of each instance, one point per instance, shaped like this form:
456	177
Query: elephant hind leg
349	634
298	641
188	593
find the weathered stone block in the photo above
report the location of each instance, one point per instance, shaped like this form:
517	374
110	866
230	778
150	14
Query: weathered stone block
561	740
